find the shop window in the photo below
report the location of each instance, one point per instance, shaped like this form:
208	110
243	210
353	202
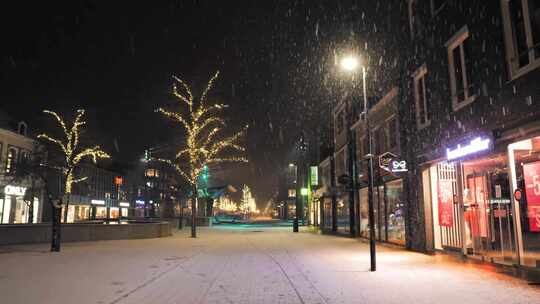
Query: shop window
395	212
522	35
461	86
423	118
525	171
327	213
343	219
364	213
101	212
437	6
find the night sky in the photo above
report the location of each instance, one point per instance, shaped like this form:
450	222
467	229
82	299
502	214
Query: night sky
116	58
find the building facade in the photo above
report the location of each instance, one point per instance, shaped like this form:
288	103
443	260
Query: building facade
101	196
462	109
15	145
475	144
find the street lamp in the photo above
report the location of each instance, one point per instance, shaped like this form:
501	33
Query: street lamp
350	64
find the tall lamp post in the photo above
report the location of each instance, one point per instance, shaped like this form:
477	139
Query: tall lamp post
351	63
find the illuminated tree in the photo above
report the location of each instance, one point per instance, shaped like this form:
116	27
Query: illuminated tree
72	152
247	205
204	145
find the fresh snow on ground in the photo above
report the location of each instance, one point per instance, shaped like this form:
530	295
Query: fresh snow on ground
259	265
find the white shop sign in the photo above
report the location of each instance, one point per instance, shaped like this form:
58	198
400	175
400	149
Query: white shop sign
476	145
14	190
97	202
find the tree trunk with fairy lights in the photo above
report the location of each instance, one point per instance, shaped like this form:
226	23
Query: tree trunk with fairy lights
72	154
204	145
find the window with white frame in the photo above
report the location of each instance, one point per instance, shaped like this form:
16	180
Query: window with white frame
420	97
340	123
412	17
437	6
522	35
461	86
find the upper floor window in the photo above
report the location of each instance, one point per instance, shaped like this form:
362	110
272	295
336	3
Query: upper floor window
341	162
10	160
412	17
522	35
460	79
437	6
422	106
380	138
392	133
340	123
292	193
22	128
365	146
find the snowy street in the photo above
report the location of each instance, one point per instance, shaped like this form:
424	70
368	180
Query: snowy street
259	265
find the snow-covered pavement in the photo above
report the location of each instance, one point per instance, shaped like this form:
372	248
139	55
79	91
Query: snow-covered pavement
260	265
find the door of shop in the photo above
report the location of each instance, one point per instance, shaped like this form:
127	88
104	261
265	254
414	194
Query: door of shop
448	211
487	212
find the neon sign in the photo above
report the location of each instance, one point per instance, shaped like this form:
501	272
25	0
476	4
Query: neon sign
476	145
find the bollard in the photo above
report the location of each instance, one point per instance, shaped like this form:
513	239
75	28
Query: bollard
180	224
295	225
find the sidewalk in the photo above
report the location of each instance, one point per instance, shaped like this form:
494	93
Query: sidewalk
262	265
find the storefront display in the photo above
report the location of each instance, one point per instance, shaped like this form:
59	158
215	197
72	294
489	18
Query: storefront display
525	172
395	212
14	210
327	213
114	212
101	212
389	209
471	206
343	218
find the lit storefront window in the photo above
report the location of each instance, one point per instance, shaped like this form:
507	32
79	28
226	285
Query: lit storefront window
14	210
101	212
114	212
395	212
525	170
389	209
343	219
327	213
471	207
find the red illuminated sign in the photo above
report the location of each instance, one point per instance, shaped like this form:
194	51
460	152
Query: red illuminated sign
531	174
446	201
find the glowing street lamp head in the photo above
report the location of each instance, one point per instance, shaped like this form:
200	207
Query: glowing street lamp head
349	63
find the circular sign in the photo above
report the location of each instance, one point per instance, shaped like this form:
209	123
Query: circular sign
517	195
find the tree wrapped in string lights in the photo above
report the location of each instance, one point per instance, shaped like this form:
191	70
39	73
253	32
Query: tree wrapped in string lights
205	144
72	152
